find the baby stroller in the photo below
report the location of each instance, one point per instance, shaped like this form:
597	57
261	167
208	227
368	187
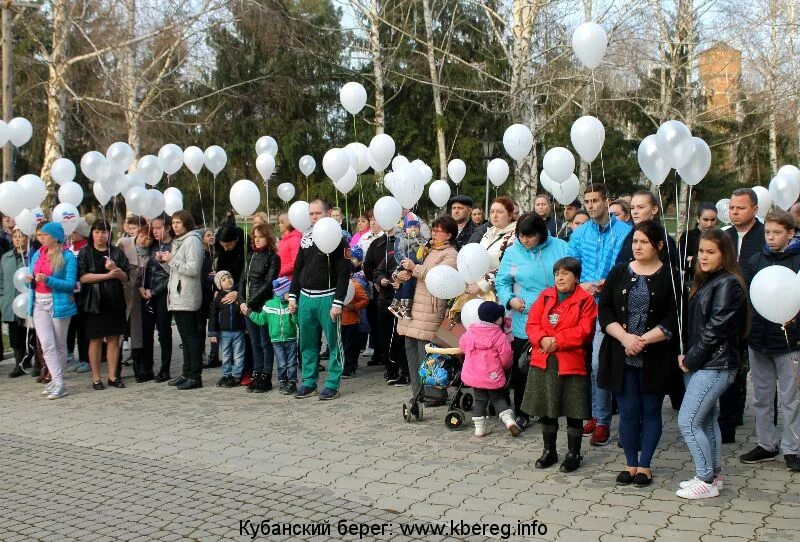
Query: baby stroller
441	368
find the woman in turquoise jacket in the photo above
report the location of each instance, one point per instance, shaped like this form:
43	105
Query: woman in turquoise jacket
525	271
52	302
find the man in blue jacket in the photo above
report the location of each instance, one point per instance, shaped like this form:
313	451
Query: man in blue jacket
596	244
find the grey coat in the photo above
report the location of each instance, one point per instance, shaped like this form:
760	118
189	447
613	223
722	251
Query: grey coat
9	263
185	289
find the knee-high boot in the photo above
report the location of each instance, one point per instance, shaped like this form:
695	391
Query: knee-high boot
549	456
573	459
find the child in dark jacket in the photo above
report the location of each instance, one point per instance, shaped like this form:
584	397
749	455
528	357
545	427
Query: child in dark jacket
226	325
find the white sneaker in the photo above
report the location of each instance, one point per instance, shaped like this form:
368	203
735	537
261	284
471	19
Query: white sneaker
698	490
48	388
717	482
58	392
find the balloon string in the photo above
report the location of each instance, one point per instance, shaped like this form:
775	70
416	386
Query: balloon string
246	265
200	195
214	203
266	188
307	189
682	261
360	185
672	275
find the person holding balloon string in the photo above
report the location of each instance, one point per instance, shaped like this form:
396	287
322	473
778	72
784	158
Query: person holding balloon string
774	342
498	237
153	291
13	270
644	206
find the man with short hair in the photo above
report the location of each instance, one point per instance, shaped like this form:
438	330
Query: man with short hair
459	209
319	287
596	244
542	207
773	350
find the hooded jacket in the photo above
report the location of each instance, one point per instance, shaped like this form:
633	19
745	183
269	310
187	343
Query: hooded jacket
288	247
765	336
185	289
524	273
281	323
487	356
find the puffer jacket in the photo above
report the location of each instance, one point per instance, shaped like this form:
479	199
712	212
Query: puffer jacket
524	274
765	336
288	247
717	315
9	263
597	248
262	269
62	282
185	288
495	241
487	356
427	312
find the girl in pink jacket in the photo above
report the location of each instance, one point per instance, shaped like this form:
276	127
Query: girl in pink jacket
487	359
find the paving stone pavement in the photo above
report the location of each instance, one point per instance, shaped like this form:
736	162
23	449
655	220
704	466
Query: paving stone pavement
151	463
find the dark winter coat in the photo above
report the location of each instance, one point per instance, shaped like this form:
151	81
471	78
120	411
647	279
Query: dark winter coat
262	269
224	317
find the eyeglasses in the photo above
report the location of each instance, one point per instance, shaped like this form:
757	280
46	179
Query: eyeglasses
437	230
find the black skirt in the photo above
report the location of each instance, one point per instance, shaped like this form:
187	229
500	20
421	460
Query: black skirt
547	394
105	324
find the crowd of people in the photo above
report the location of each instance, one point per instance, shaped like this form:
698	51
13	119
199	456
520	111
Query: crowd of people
582	316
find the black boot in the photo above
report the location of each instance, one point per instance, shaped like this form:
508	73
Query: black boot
17	370
573	459
549	456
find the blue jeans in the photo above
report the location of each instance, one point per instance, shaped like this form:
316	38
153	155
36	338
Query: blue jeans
263	356
231	347
601	399
639	419
697	419
406	289
286	360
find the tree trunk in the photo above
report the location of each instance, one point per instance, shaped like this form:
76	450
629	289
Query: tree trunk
373	15
56	96
437	92
771	83
131	102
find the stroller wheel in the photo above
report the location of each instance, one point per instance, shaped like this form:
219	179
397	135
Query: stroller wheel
406	413
418	412
454	420
466	401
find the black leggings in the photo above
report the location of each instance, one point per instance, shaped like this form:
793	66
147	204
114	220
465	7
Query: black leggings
483	397
571	422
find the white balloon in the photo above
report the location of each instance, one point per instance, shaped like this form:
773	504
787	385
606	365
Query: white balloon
327	234
653	164
388	212
439	192
67	215
286	191
497	171
149	167
136	200
245	197
787	171
20	305
675	143
194	159
473	262
63	171
100	193
469	312
427	173
307	165
587	135
398	162
171	157
5	133
784	191
70	193
408	186
774	294
266	144
298	216
764	201
35	190
173	200
120	156
698	165
21	131
559	164
518	141
347	182
566	192
94	165
361	153
388	181
456	170
156	204
124	184
722	211
26	221
265	164
335	164
589	41
381	149
351	293
444	282
353	97
215	159
19	279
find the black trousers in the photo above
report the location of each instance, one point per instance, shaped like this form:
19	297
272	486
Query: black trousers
518	378
372	320
732	403
17	334
77	333
484	397
351	341
390	344
189	330
156	316
571	422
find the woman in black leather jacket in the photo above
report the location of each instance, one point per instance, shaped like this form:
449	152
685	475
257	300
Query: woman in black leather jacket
154	301
262	268
718	315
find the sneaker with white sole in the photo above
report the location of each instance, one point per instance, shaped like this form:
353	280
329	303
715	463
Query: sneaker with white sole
48	388
718	482
58	392
698	490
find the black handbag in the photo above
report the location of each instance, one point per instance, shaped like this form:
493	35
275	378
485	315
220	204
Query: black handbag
524	359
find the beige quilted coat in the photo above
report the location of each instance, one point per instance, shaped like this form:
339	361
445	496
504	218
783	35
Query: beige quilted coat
427	312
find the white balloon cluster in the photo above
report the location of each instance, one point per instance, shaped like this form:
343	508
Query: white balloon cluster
784	188
673	147
18	131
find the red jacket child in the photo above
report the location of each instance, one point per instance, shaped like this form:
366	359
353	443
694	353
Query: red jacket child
350	313
575	328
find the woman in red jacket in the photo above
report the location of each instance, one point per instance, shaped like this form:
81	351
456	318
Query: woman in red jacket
560	326
288	246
